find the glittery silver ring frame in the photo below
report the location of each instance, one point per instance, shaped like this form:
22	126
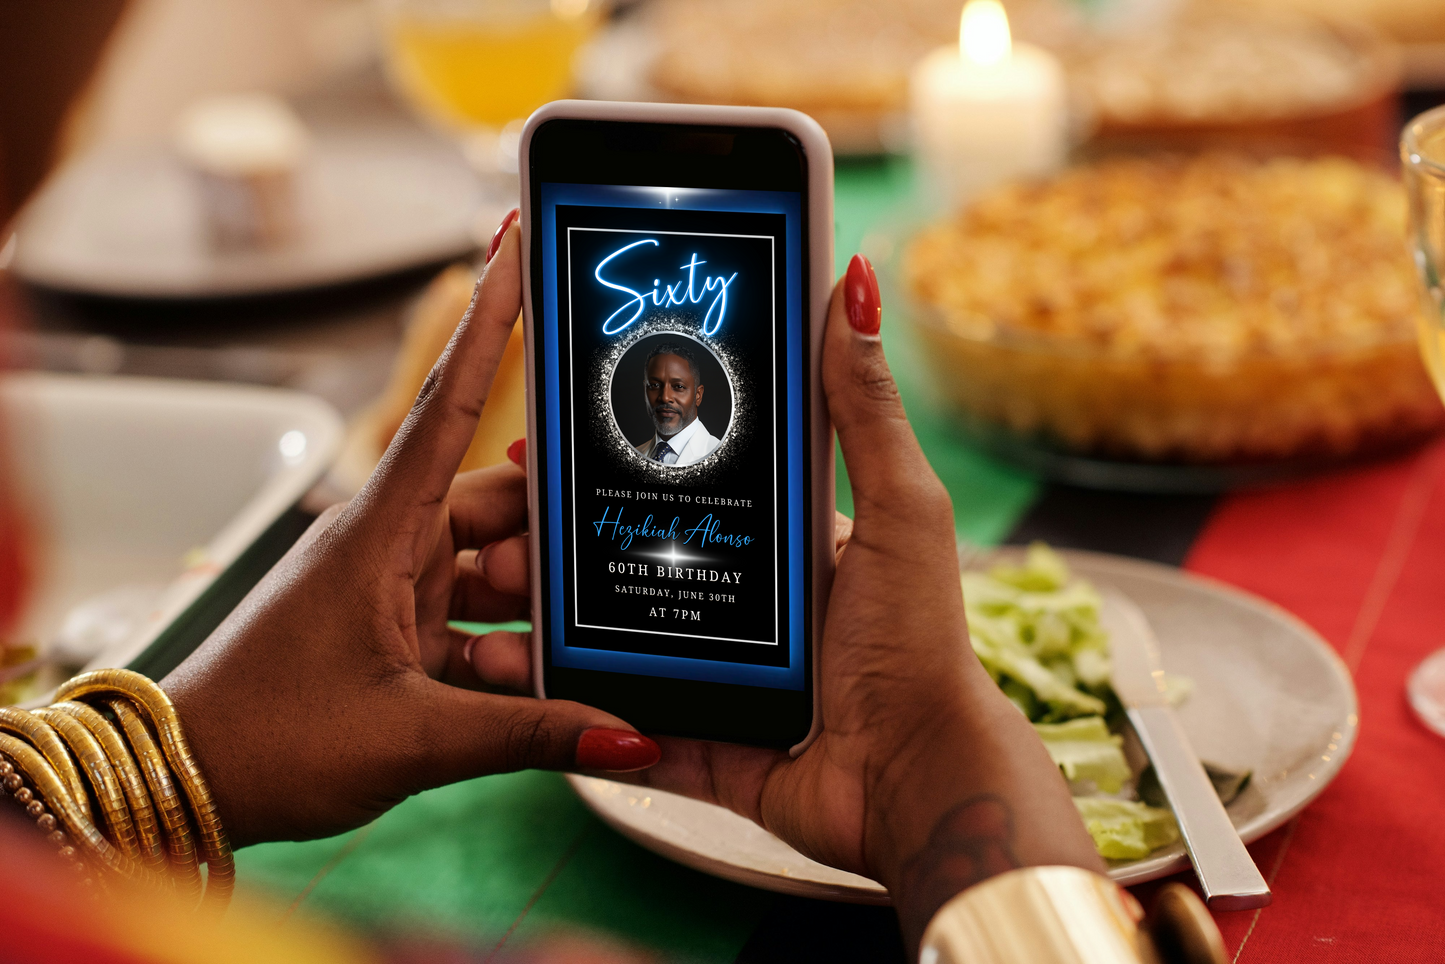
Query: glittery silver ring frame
604	421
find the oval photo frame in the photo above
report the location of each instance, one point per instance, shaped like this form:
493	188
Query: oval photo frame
632	361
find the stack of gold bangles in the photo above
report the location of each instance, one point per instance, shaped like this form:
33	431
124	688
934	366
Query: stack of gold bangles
106	773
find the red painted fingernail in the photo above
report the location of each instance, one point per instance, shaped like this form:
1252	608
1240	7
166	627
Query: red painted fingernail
501	233
602	748
860	297
517	451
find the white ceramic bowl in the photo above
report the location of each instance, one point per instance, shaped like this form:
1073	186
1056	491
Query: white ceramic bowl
137	482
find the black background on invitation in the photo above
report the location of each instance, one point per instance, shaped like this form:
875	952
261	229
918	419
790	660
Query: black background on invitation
744	471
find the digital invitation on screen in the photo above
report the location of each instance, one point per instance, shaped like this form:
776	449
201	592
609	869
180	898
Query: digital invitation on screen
674	434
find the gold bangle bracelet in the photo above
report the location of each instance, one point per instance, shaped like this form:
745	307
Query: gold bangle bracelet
180	843
102	778
150	842
1067	915
1045	915
215	849
84	836
26	725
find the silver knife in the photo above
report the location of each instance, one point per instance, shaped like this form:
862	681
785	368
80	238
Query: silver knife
1226	872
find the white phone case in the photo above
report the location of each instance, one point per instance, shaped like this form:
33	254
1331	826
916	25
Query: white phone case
819	155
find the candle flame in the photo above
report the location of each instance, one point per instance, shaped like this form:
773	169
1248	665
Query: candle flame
983	35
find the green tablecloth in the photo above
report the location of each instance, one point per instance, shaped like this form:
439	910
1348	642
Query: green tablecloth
511	857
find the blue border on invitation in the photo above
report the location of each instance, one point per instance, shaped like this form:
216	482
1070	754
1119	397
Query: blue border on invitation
788	204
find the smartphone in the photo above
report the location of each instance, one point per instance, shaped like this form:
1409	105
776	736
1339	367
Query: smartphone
678	263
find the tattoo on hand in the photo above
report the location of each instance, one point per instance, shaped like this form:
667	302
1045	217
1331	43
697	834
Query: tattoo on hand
970	843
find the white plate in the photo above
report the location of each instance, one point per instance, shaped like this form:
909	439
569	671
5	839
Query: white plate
136	482
1270	696
127	222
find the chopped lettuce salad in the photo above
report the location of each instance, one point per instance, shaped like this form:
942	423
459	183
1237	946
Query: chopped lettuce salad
1126	829
1036	630
1085	750
1037	633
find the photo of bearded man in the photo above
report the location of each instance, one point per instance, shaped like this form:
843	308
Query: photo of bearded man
673	387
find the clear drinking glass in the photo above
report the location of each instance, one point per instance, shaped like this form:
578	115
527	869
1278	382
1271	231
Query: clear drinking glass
477	68
1422	152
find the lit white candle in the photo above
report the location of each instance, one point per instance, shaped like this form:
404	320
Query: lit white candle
987	110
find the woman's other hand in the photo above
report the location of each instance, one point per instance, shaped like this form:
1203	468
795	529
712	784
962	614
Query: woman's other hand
925	777
336	689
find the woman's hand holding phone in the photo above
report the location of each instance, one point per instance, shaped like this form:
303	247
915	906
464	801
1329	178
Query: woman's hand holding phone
335	690
925	776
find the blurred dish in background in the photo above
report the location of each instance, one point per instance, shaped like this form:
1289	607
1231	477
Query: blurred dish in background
1185	69
1418	25
370	199
845	62
1209	310
1218	71
103	623
245	151
478	68
142	495
504	416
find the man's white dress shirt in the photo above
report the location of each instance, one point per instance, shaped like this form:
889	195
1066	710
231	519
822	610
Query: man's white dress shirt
692	444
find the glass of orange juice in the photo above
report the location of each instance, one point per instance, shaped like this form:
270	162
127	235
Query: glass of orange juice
479	67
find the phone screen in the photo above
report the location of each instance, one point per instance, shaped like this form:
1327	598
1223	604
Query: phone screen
673	427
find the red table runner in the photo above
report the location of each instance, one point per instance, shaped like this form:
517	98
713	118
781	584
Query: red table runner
1360	556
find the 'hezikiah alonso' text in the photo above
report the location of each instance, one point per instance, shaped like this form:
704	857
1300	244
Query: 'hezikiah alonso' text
708	531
